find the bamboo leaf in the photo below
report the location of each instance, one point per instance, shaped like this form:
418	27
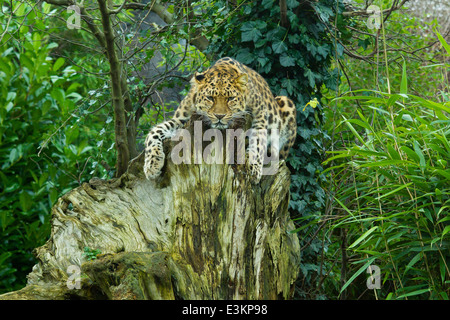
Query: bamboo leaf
394	191
413	261
414	293
357	273
404	82
343	206
361	238
355	132
420	155
446	230
442	41
384	163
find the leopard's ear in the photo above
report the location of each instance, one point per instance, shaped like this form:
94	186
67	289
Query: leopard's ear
242	81
199	77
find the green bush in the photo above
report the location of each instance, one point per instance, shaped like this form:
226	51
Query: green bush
395	194
389	176
44	151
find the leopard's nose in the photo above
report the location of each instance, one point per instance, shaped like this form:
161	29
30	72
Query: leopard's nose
219	116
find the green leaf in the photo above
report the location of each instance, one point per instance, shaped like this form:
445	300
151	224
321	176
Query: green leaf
357	273
37	40
71	134
347	122
9	106
288	84
413	261
279	47
343	206
11	96
53	196
245	56
323	51
311	77
267	4
411	154
446	230
287	61
251	31
442	41
25	201
420	155
292	4
13	155
442	269
384	163
19	8
404	82
58	64
361	238
394	191
414	293
360	123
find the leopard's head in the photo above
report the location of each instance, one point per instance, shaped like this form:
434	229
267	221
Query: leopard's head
220	95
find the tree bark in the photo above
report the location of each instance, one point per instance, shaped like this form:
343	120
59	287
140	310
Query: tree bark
199	231
116	73
283	14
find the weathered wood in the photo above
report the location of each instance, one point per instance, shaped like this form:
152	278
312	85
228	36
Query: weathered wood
197	232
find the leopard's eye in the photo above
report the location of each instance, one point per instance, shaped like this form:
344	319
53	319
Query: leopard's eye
231	98
210	98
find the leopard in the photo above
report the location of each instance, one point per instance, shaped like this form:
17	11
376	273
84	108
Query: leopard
227	91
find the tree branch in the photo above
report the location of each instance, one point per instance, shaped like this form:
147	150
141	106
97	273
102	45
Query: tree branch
365	13
200	42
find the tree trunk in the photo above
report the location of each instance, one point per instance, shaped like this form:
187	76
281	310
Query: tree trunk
116	75
199	231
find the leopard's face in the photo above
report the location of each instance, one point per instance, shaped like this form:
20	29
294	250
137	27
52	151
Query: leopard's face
220	96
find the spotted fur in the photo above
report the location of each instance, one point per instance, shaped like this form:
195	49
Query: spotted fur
227	91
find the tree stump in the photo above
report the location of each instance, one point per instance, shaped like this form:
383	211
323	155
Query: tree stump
199	231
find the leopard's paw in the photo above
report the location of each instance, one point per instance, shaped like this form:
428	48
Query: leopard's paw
255	165
255	173
154	162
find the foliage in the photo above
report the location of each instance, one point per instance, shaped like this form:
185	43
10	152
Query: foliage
389	187
395	193
383	198
43	151
91	254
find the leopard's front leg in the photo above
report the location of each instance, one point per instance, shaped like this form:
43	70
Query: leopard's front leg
154	153
257	146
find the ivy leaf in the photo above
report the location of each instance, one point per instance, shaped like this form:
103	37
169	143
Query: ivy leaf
324	12
288	84
262	61
294	38
310	168
245	56
251	31
279	47
340	49
292	4
311	48
267	4
323	51
251	35
311	77
287	61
